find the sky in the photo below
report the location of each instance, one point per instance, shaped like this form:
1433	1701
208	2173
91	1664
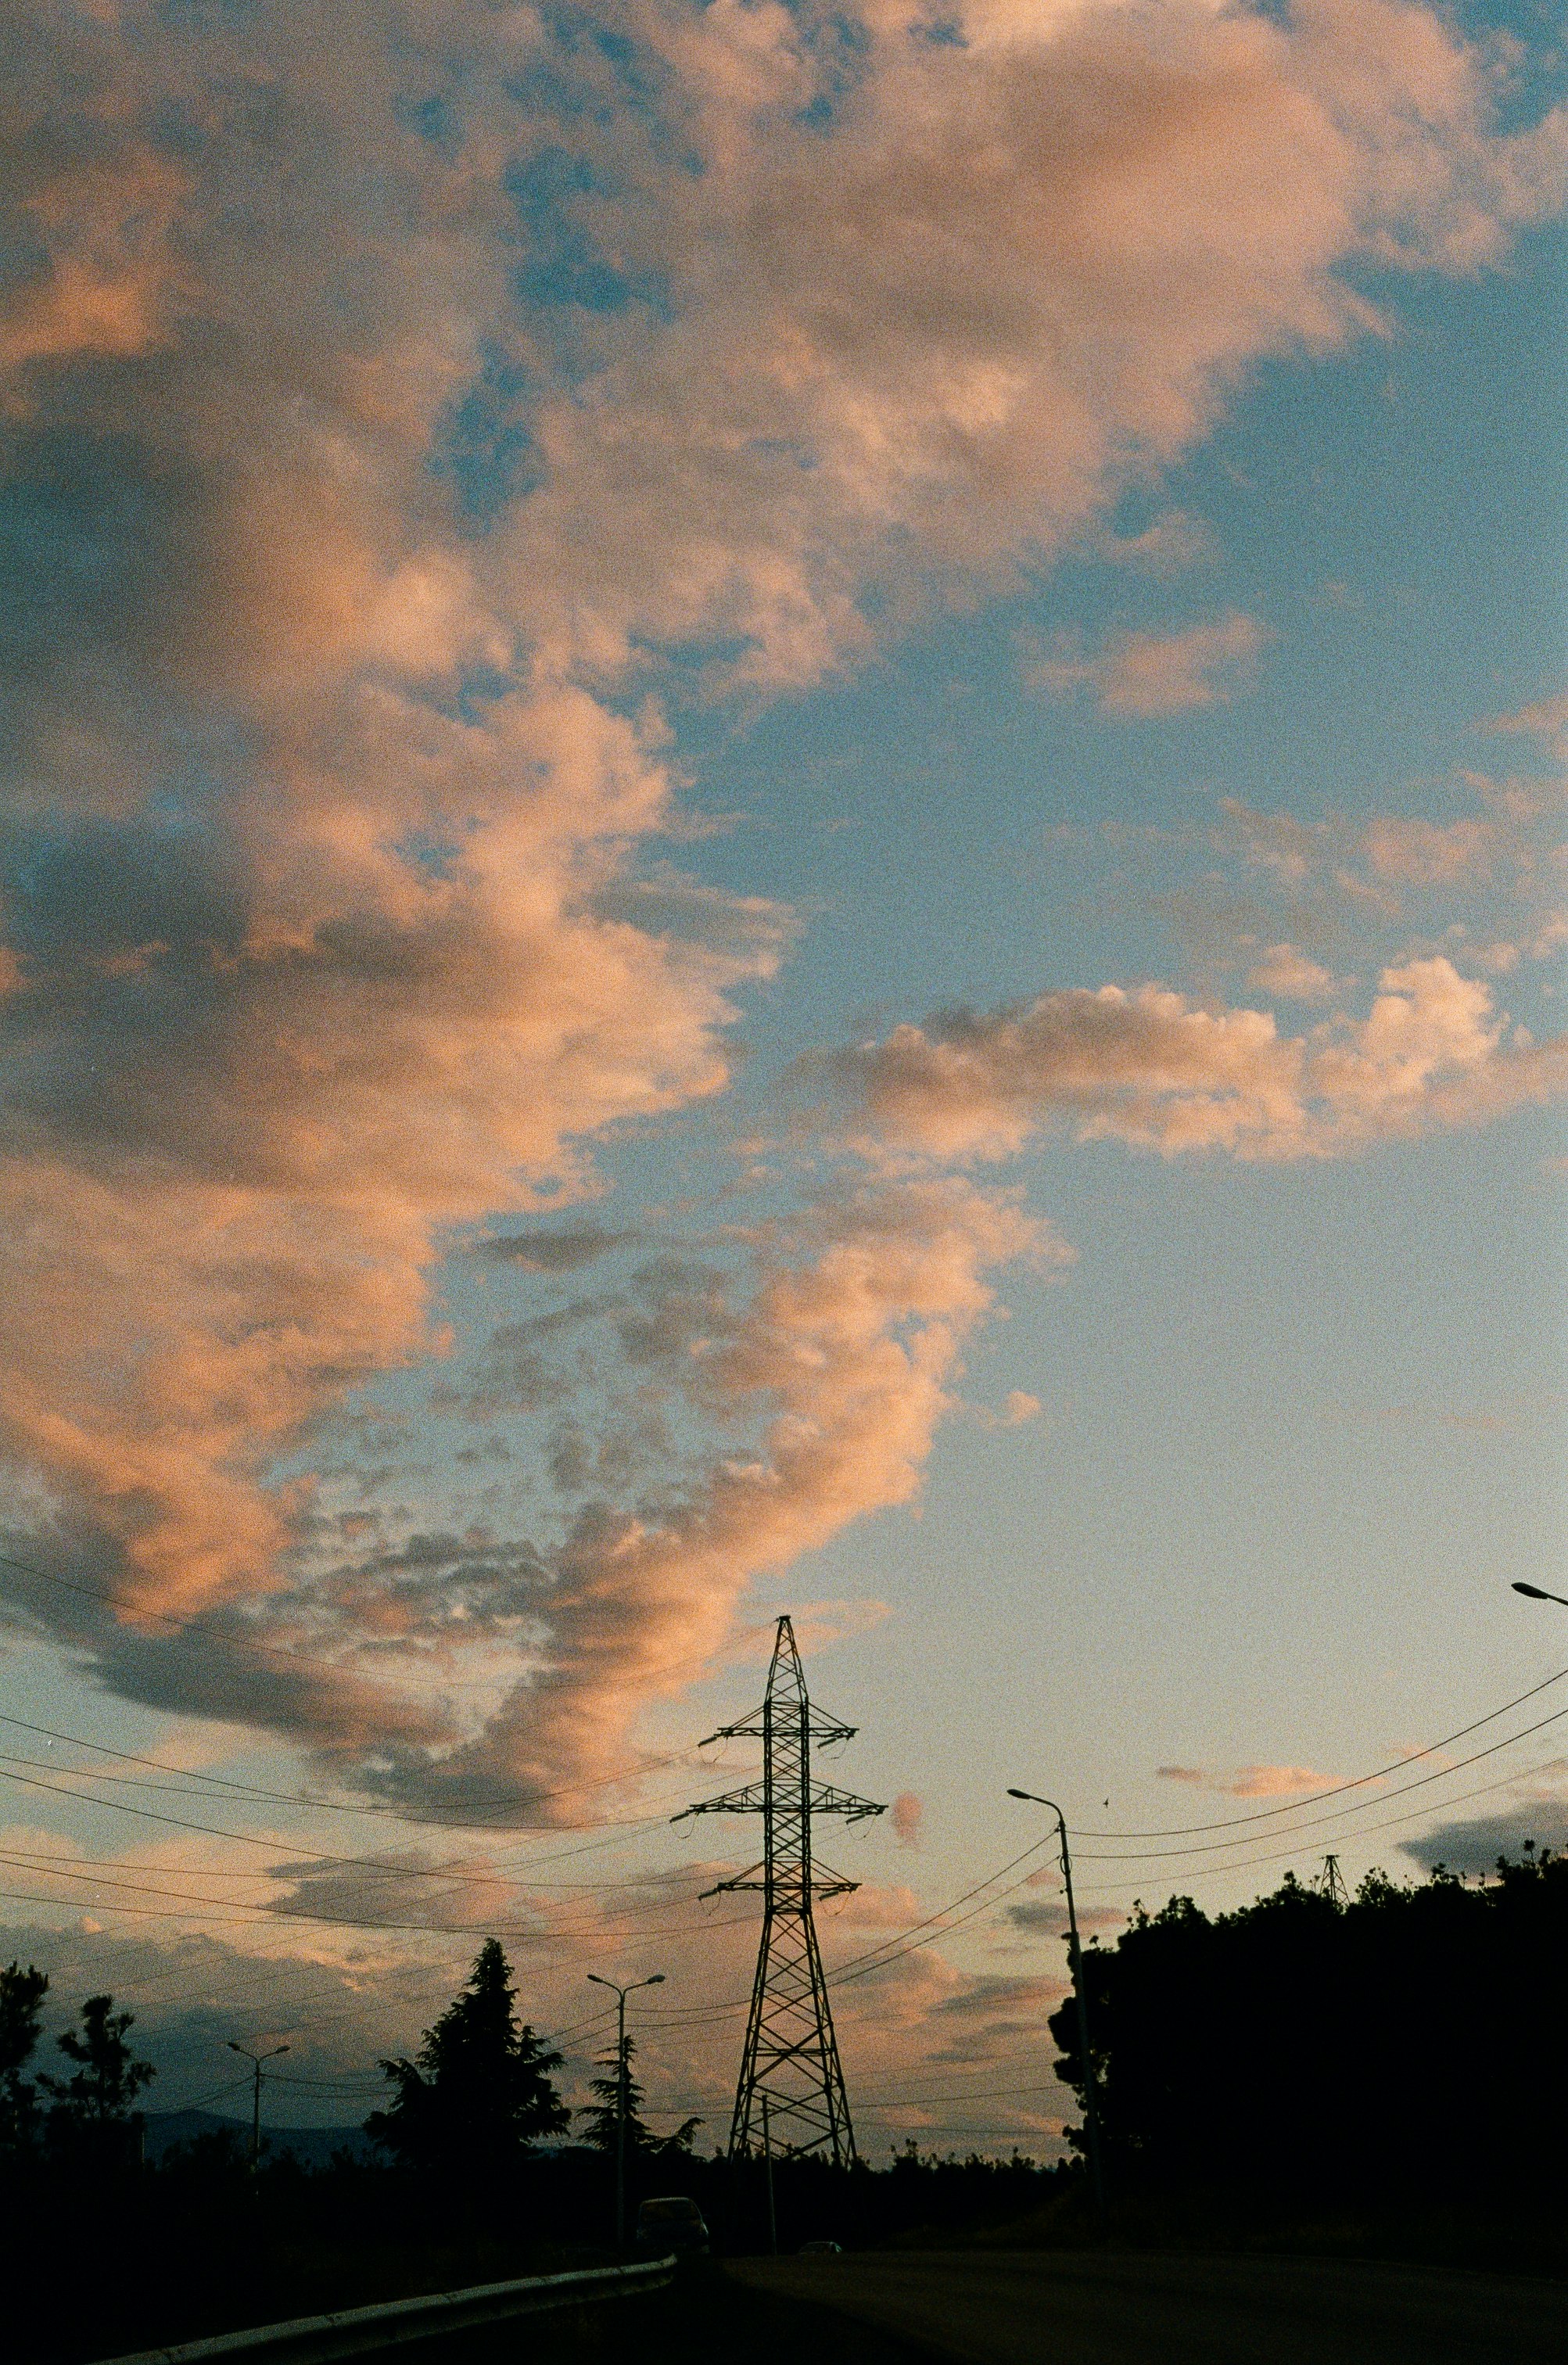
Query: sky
784	831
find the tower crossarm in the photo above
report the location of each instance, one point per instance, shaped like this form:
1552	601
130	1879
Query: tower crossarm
826	1800
751	1799
824	1730
757	1879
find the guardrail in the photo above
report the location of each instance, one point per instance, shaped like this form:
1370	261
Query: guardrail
351	2332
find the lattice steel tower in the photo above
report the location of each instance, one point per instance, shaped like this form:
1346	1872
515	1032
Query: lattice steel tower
790	2059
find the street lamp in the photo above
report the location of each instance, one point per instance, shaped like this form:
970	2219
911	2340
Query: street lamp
1534	1593
1075	1957
257	2059
656	1980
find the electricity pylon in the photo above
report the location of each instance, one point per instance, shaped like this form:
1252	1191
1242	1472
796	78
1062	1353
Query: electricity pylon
790	2059
1332	1882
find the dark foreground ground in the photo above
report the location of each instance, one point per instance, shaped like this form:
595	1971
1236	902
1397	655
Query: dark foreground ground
1029	2308
1017	2308
707	2317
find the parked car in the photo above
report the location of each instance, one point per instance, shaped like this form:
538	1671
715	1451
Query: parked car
672	2223
820	2249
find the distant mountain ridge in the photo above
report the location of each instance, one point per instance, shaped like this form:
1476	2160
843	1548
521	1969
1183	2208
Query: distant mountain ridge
312	2147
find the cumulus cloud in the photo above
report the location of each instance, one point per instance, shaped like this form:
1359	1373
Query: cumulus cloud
381	397
1148	1067
1138	675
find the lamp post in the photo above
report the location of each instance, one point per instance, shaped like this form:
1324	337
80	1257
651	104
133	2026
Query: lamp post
1535	1593
768	2155
622	1993
256	2061
1075	1957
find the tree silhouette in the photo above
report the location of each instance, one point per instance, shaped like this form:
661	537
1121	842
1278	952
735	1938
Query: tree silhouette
1406	2043
601	2116
93	2108
480	2093
21	2005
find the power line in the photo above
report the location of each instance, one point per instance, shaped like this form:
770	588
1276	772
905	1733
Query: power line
252	1839
250	1917
1142	1856
299	1798
1294	1806
692	2017
1284	1856
31	1861
478	1872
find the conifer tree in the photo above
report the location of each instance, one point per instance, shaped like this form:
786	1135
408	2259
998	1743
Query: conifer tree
480	2093
601	2115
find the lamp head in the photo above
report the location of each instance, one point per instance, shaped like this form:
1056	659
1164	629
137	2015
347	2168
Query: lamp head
1531	1592
656	1981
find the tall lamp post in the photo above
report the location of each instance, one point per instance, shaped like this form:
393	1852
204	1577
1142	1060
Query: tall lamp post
256	2061
1075	1957
622	1993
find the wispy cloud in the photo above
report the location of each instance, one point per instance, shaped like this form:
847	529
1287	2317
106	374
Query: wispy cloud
1140	675
1248	1781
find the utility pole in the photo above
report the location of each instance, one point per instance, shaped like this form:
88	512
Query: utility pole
1075	1960
789	2061
622	2079
256	2061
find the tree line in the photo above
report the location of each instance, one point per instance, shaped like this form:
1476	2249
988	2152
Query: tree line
1409	2040
472	2104
1407	2044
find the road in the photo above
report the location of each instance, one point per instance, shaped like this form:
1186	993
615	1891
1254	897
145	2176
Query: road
1029	2308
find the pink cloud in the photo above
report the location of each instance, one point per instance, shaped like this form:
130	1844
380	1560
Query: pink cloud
907	1812
1150	1067
1274	1781
1250	1781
